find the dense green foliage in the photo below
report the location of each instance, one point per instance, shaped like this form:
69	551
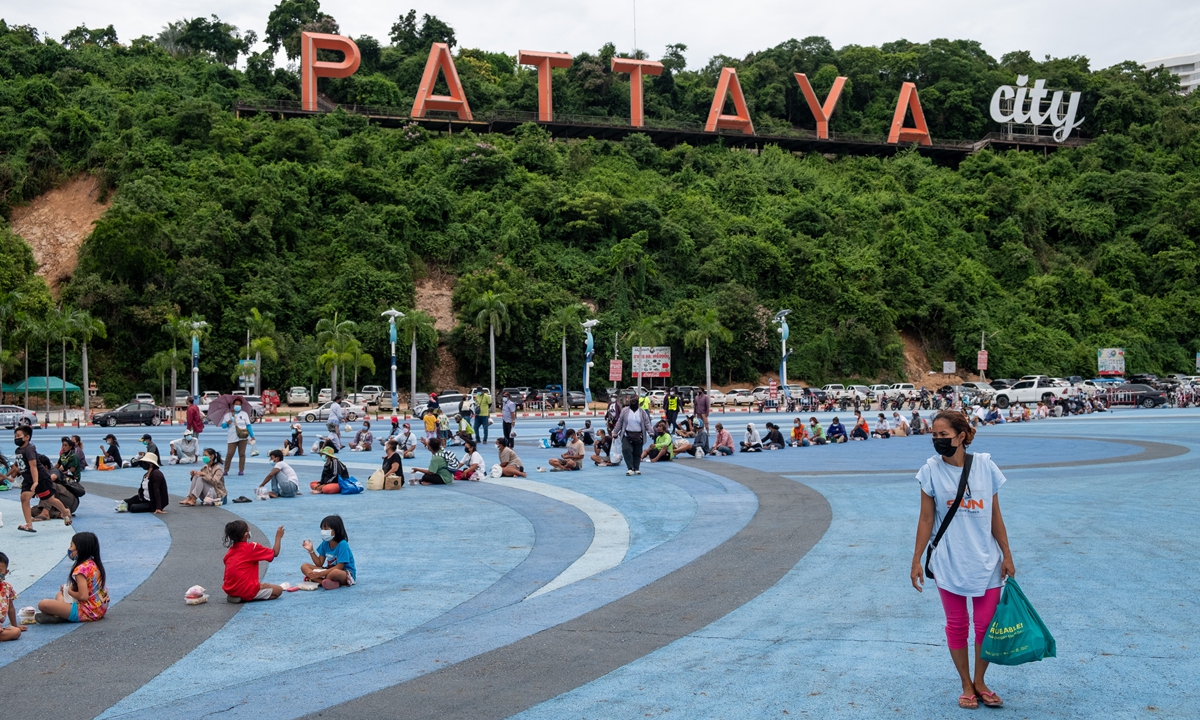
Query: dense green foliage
216	215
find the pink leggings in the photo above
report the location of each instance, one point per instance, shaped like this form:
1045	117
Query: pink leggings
956	616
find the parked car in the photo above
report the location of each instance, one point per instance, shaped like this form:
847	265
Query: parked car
373	393
878	390
981	387
518	395
358	399
208	396
862	391
254	407
817	395
298	396
739	396
577	398
657	397
12	415
144	398
1139	394
1002	383
181	397
717	397
450	401
134	413
325	395
1028	391
321	413
904	389
834	390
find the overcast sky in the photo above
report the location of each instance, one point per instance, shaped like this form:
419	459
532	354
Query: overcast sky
1106	31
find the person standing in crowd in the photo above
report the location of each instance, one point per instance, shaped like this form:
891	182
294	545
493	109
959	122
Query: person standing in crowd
237	435
671	405
508	417
973	559
483	411
336	415
35	478
192	419
632	427
702	406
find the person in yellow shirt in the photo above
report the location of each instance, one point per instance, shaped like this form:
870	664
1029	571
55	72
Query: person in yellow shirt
431	427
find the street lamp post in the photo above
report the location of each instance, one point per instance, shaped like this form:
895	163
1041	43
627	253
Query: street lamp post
391	315
197	328
781	318
589	352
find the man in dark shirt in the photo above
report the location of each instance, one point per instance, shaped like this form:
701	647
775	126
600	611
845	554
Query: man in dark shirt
837	432
35	478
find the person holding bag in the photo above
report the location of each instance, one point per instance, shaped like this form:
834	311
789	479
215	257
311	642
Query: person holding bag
238	432
968	557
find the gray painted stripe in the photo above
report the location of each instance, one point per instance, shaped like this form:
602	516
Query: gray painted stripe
141	636
1150	451
791	518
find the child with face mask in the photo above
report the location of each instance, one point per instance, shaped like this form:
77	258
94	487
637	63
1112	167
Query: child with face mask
7	598
332	562
84	598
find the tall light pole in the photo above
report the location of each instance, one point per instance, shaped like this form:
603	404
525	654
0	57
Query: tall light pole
197	328
391	315
590	351
781	318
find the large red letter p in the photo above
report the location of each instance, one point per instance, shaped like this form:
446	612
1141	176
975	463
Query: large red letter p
311	68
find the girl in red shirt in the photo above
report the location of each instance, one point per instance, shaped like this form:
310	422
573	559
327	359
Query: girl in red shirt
241	564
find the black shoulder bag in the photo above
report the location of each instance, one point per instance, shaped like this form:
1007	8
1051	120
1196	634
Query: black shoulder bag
962	488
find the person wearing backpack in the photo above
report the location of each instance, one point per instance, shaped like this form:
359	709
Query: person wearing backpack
969	555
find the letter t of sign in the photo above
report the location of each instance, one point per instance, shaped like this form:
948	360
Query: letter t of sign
636	69
545	62
821	114
311	68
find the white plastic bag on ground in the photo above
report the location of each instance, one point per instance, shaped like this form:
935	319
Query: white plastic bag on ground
496	471
195	595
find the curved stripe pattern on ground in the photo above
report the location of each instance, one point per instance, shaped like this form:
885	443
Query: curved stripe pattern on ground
145	632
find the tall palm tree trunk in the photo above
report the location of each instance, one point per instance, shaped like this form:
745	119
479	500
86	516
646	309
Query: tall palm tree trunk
492	346
707	368
27	375
64	380
47	382
258	373
174	352
87	400
566	404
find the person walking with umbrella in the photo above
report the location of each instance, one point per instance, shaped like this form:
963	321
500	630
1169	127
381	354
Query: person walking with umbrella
227	409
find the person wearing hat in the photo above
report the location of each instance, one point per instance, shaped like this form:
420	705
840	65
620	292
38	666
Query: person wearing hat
330	474
558	435
148	443
152	493
185	450
295	444
406	442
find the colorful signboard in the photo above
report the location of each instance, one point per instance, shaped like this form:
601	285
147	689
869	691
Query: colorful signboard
1110	361
615	368
651	362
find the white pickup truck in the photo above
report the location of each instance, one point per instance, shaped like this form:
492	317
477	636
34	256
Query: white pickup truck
837	391
1030	391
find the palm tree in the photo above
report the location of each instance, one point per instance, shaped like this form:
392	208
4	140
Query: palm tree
8	310
178	328
337	353
707	325
416	325
649	330
333	335
85	327
562	322
28	328
160	363
53	328
262	342
359	359
491	309
67	336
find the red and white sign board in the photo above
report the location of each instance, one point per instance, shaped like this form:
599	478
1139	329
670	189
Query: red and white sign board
651	362
773	389
615	368
981	361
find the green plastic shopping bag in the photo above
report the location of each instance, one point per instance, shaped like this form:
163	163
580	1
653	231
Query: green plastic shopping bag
1017	634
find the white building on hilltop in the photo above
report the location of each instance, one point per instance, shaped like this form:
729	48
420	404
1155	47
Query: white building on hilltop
1187	67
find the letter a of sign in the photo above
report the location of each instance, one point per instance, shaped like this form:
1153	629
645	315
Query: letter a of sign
311	68
636	69
821	114
908	100
728	84
545	62
456	101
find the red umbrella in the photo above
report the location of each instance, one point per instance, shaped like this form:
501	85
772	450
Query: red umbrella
219	407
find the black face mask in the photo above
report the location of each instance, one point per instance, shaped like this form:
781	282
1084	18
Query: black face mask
944	446
19	441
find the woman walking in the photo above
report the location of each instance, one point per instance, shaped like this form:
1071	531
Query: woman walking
632	427
970	557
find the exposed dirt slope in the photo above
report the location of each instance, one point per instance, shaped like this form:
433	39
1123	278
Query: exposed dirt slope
434	296
56	223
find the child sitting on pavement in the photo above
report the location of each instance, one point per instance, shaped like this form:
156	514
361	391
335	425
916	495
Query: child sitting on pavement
332	562
284	481
7	598
241	564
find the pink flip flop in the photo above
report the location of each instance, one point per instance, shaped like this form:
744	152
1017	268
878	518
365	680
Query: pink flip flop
991	699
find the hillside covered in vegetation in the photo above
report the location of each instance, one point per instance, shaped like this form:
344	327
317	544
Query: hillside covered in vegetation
300	219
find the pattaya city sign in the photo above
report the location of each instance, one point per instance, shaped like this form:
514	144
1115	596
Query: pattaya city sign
441	63
1024	106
